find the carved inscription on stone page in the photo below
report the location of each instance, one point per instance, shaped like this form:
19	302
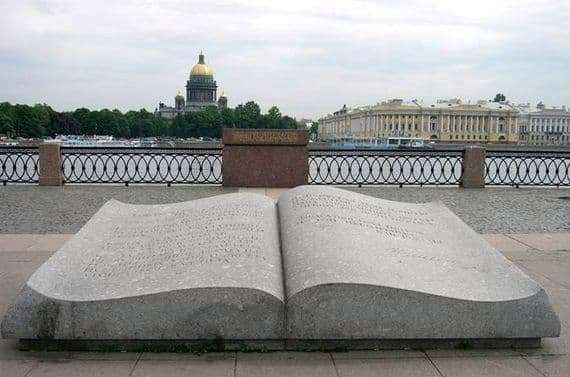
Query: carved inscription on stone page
392	223
155	241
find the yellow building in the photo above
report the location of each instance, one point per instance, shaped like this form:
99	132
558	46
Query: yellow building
444	121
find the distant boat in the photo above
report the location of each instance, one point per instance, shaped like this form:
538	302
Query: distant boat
381	143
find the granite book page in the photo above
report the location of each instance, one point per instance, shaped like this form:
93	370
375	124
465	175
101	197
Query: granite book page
358	267
205	269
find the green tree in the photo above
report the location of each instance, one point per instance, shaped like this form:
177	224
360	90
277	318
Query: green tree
141	123
273	118
499	97
288	123
121	124
107	122
81	115
30	122
178	126
64	124
228	117
161	126
247	115
6	125
41	120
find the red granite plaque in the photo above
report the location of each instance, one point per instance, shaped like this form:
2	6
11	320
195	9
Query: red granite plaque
265	158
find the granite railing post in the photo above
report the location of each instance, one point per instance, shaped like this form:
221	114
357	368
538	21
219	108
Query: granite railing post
473	167
50	165
265	157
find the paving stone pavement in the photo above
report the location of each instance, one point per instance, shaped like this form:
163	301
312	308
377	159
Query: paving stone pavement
490	210
24	207
493	209
546	257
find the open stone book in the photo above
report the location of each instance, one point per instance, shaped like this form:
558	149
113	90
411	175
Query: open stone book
319	264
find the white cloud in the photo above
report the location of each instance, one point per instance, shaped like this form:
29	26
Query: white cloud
308	57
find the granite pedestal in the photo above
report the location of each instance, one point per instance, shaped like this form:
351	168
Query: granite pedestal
265	158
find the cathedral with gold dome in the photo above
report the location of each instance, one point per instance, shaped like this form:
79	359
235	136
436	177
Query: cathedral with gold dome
201	91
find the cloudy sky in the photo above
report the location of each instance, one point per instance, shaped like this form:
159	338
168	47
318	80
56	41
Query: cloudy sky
307	57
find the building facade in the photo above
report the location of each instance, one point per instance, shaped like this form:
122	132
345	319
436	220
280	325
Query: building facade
201	91
544	126
444	121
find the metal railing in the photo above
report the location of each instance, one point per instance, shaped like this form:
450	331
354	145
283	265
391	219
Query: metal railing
411	166
326	166
19	164
137	165
533	168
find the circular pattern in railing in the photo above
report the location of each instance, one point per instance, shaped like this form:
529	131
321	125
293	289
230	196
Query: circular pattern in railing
542	169
19	165
392	168
356	167
185	166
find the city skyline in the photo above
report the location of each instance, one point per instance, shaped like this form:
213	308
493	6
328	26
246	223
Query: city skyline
308	59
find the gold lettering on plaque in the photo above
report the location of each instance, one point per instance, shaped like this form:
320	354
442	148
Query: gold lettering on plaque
265	137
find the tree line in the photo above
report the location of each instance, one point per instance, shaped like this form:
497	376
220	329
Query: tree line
41	120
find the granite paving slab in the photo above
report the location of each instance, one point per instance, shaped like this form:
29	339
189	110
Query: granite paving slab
16	368
184	368
559	271
313	364
82	368
505	243
486	366
386	368
551	366
208	356
386	354
32	242
546	241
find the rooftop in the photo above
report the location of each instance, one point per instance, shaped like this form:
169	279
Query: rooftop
454	104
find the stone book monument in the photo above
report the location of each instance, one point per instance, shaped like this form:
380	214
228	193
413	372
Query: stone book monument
321	268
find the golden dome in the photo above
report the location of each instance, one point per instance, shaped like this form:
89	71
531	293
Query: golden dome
201	69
